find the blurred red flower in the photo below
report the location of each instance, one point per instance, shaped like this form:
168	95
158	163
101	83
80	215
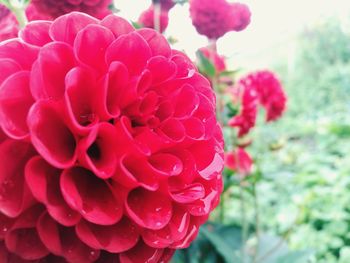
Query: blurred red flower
239	161
8	24
216	18
54	8
146	19
110	149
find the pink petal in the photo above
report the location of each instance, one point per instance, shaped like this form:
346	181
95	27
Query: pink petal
114	239
131	50
141	253
99	206
23	239
166	164
63	241
156	41
43	181
8	67
22	53
186	102
161	69
80	98
15	101
194	128
98	150
5	225
50	135
119	26
188	194
36	33
66	27
151	210
173	129
49	71
15	196
96	38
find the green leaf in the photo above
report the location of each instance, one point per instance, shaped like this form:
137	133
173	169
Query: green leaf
296	257
204	65
136	25
221	246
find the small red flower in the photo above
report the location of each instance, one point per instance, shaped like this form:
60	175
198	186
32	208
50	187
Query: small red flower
8	24
246	119
239	161
271	94
54	8
113	155
216	18
217	60
147	19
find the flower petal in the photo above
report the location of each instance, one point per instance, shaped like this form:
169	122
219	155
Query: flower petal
132	50
156	41
43	181
118	25
8	67
36	33
114	239
141	253
50	136
15	102
99	206
151	210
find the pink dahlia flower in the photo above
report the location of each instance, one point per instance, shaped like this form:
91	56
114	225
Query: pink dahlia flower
271	94
240	18
146	19
8	24
217	60
109	145
54	8
239	161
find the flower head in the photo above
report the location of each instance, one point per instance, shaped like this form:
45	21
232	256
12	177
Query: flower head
240	16
109	145
147	19
246	119
216	18
239	161
271	94
54	8
8	24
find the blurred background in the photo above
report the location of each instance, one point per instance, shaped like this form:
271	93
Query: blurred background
304	160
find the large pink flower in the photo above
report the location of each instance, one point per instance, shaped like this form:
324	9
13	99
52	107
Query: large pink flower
8	24
110	150
147	19
54	8
216	18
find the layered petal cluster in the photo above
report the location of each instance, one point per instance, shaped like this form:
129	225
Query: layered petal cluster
217	60
54	8
148	19
8	24
109	145
216	18
240	161
259	88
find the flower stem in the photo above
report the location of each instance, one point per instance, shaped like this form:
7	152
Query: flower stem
20	14
157	13
257	222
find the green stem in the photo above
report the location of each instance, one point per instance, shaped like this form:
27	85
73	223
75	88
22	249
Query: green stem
20	14
257	222
222	209
244	221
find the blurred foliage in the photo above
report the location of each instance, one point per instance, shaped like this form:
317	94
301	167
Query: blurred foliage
301	183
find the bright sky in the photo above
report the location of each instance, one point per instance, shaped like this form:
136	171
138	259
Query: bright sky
274	22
